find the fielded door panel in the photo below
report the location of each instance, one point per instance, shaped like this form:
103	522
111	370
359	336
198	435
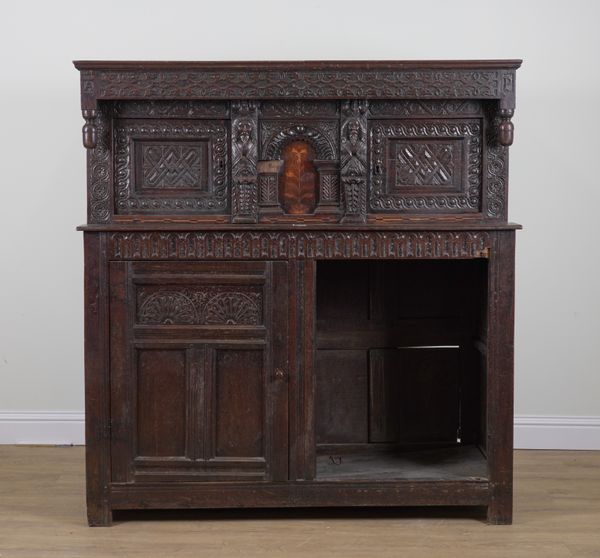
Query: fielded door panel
198	371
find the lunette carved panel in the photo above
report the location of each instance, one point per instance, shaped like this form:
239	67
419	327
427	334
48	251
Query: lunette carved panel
174	141
275	245
206	305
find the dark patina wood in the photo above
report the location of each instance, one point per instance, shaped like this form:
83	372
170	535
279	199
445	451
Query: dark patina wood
299	284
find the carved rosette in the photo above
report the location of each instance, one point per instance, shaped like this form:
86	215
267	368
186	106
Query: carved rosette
353	160
98	159
244	158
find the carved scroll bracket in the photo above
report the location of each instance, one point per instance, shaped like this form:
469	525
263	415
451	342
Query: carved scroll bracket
89	131
353	160
244	158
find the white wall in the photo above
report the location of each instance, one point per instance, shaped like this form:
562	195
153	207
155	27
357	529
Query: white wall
555	189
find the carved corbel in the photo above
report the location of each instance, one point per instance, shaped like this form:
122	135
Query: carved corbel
506	129
89	130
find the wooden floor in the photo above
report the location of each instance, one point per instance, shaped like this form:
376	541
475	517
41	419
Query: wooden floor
557	513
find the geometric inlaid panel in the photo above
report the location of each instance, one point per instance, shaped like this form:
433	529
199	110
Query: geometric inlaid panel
171	166
425	165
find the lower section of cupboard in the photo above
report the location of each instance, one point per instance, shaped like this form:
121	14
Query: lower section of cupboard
224	384
452	476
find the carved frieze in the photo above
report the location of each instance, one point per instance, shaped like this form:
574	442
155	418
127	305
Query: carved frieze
171	109
171	166
298	108
207	305
426	165
275	245
305	84
414	108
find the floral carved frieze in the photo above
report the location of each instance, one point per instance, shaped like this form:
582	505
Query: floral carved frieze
304	84
296	245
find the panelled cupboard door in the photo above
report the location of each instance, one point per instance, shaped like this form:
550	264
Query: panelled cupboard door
198	371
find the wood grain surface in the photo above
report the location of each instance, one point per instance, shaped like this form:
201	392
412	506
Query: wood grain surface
42	515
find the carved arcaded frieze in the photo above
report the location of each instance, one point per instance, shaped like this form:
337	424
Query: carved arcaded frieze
271	245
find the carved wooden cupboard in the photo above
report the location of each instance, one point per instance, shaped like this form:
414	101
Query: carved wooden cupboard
298	284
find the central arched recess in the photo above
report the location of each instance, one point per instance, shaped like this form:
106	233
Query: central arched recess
298	184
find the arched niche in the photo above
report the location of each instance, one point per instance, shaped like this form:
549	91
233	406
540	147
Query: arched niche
299	181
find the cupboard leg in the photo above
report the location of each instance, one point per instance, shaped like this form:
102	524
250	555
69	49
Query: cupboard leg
500	510
99	515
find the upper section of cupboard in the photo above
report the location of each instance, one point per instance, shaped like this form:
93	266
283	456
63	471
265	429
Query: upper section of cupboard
293	143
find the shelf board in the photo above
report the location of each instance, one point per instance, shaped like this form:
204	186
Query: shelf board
456	463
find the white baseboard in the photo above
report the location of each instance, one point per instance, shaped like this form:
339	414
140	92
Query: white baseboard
548	432
531	431
49	427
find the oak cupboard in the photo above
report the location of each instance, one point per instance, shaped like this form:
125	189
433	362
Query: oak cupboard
299	284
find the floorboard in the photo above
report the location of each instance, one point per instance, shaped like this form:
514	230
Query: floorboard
42	515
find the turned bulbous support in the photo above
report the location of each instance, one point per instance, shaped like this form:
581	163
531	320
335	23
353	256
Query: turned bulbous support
89	131
506	129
